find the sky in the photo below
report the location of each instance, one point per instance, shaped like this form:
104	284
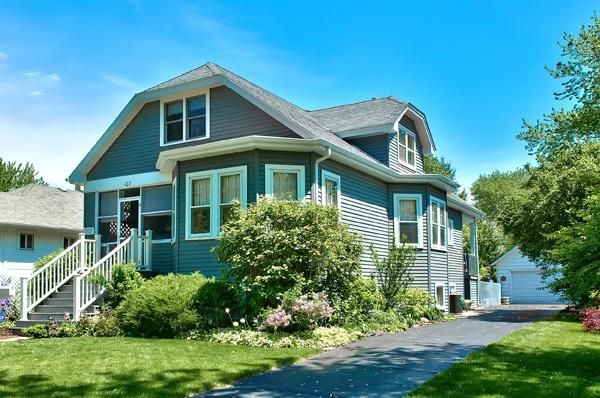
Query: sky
475	68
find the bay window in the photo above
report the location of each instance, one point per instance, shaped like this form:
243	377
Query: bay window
210	198
408	219
439	218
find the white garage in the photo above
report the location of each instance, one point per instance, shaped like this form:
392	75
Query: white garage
521	280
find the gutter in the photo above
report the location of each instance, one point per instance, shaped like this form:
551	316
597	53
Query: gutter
315	186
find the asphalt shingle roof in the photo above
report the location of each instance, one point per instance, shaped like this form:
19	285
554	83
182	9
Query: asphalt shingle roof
42	206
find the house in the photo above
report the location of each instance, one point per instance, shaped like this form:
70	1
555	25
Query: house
521	280
180	153
36	220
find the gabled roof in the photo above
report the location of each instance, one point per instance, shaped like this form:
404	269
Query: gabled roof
39	206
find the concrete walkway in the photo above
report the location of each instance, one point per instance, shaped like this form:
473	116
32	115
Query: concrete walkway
390	365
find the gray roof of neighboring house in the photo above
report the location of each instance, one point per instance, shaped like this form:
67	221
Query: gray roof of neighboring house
43	207
301	117
374	112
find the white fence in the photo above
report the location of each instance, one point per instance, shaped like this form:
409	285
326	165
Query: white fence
489	293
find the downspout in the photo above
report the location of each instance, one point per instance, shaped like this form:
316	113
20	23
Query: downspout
315	186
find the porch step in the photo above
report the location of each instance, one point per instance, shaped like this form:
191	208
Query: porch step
54	308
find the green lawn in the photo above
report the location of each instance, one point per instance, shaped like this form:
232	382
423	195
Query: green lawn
553	358
128	367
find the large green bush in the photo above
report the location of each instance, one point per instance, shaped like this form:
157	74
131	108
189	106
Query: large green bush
416	303
125	278
161	307
275	246
393	273
212	299
363	300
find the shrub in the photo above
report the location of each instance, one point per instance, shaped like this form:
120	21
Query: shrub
5	328
211	300
10	309
68	329
590	318
393	273
415	303
299	312
106	324
380	321
364	298
40	262
125	278
161	307
36	331
275	246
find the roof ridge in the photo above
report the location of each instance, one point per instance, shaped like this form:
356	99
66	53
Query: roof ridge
350	103
181	74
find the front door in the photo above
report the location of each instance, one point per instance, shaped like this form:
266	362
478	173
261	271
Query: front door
129	217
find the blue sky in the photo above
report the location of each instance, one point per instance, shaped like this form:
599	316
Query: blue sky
476	68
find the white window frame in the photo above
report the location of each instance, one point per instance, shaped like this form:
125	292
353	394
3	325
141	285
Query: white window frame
184	98
32	241
404	147
435	288
452	288
441	204
69	236
328	175
215	204
286	168
419	199
174	211
450	231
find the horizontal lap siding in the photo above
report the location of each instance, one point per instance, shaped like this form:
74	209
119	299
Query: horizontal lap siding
364	209
394	162
162	258
196	255
419	270
376	146
455	253
136	150
89	209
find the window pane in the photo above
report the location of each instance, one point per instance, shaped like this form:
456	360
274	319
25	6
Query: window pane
442	216
108	204
129	193
68	241
201	192
160	225
435	238
408	210
230	188
174	111
107	228
411	158
439	295
196	127
201	220
285	186
196	106
331	189
156	198
226	212
443	236
410	232
402	138
174	131
434	213
411	142
402	154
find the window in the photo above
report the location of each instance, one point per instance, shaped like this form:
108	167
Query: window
174	211
107	222
68	241
331	195
438	224
407	147
185	119
450	232
210	198
26	241
440	294
452	288
157	212
408	219
284	182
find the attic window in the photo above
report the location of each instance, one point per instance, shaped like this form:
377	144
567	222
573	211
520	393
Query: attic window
185	119
407	148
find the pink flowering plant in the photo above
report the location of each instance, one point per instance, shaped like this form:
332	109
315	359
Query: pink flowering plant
299	312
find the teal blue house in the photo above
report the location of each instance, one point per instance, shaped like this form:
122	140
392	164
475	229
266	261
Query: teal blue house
180	153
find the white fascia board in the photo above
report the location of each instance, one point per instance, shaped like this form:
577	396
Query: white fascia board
421	123
508	254
464	207
123	182
367	131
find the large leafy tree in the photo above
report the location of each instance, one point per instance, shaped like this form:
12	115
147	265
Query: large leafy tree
493	192
13	175
435	165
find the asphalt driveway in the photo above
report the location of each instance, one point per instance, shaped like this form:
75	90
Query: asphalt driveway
390	365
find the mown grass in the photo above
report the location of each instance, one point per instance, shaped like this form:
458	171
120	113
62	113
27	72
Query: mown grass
129	367
554	358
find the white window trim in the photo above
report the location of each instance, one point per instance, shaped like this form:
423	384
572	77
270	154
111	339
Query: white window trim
450	231
419	199
272	168
440	203
70	236
443	285
328	175
33	239
405	147
174	211
172	98
215	207
452	287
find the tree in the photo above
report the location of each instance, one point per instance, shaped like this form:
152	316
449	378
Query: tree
393	273
492	243
434	165
13	175
493	192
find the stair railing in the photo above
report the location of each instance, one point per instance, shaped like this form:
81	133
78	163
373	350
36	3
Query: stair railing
46	280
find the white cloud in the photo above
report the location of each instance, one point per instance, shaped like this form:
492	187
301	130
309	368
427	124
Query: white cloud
36	93
3	56
121	81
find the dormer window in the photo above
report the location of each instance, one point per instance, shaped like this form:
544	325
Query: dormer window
184	119
407	147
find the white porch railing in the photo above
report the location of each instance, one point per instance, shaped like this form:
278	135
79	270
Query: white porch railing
46	280
90	284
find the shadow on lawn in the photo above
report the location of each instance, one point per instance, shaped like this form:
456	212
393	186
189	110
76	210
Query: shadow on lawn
133	383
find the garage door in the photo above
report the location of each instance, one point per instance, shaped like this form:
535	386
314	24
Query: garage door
527	288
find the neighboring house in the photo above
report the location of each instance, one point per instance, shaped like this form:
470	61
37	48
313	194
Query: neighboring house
521	280
36	220
180	153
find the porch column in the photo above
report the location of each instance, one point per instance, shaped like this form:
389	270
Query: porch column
474	245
